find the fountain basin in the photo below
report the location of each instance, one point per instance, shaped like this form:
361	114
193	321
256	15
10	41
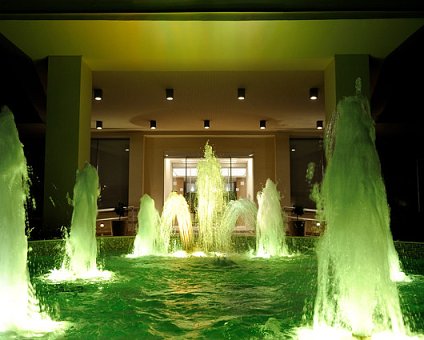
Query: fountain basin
237	297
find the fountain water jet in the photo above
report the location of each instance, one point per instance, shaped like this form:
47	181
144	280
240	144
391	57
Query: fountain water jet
355	290
154	231
19	308
211	202
241	208
81	245
148	239
176	207
270	226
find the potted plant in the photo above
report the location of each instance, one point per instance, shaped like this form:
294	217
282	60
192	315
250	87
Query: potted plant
298	225
118	226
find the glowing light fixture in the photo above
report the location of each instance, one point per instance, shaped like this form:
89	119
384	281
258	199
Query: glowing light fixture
313	93
262	124
99	124
206	124
241	93
169	94
320	125
98	94
153	125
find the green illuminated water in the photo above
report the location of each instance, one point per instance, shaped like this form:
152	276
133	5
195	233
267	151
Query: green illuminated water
159	297
211	202
356	252
241	209
270	226
19	308
148	240
81	246
175	209
154	231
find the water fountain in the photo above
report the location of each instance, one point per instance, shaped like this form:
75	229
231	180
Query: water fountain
355	292
155	231
236	209
79	260
81	245
270	225
19	307
200	298
148	240
211	202
176	208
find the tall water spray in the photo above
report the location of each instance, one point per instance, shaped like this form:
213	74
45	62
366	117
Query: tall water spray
148	240
19	308
81	244
270	224
211	202
355	290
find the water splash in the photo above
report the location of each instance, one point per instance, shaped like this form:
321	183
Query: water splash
356	252
148	239
176	208
235	210
270	225
80	245
19	307
211	202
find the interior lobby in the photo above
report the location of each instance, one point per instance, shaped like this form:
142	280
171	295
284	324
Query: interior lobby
55	57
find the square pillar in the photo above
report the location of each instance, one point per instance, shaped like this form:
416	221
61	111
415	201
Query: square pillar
340	76
69	93
282	160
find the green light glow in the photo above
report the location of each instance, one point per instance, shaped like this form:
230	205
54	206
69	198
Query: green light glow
176	207
356	254
20	310
148	239
270	226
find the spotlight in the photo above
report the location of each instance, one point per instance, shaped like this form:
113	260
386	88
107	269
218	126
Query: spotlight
241	93
320	125
169	94
313	93
206	124
153	125
99	124
98	94
262	124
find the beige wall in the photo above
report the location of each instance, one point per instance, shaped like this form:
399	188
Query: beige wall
147	151
263	148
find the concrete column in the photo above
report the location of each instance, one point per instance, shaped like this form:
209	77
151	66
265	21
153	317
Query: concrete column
282	167
340	78
136	169
69	93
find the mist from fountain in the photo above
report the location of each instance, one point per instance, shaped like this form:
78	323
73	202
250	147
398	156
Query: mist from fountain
19	307
211	201
270	224
355	291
